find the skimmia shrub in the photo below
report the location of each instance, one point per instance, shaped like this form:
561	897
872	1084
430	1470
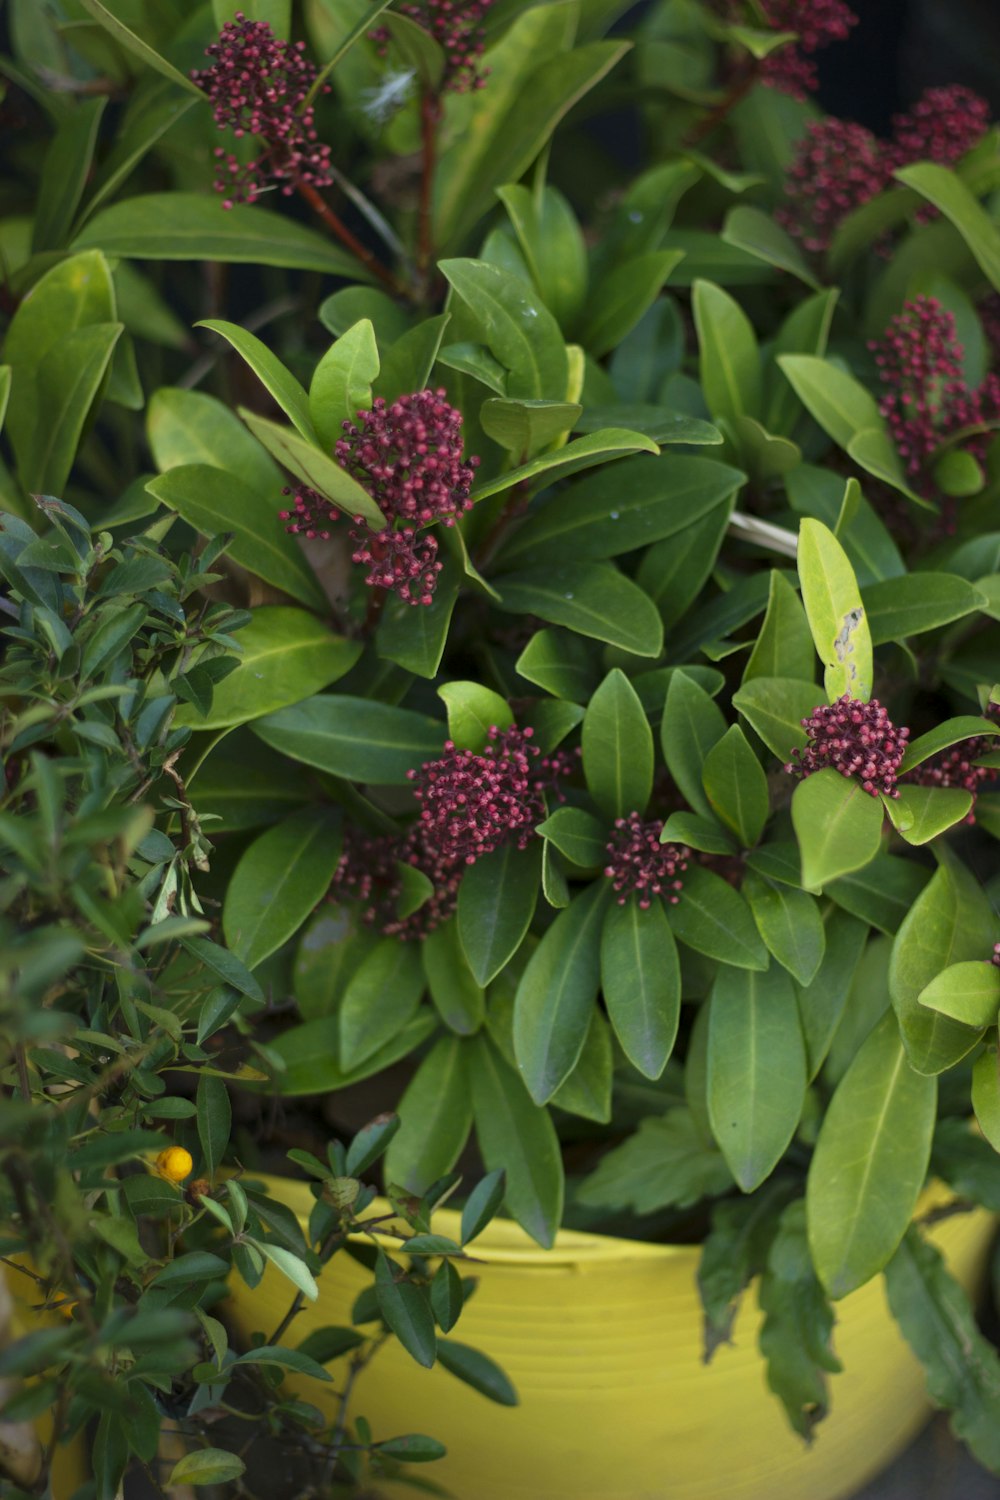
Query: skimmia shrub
589	723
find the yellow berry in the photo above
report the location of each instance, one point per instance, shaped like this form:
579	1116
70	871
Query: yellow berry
175	1164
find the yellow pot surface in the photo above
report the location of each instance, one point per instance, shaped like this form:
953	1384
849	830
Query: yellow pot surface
69	1466
603	1340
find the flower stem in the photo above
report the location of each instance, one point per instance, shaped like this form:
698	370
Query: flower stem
430	114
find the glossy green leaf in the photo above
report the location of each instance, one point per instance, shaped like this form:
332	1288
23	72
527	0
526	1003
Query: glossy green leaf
287	655
278	881
67	382
641	983
701	833
736	786
560	664
357	738
458	998
556	995
342	384
408	362
68	162
478	1371
920	813
518	330
713	919
524	427
309	1053
618	301
846	412
756	232
496	902
692	724
667	1162
516	1135
194	226
617	748
822	1001
790	923
916	602
837	824
586	1092
473	710
188	427
986	1095
581	453
314	468
835	612
968	992
756	1070
870	1162
136	44
553	246
592	598
215	1117
674	572
214	503
415	638
950	196
380	999
775	708
436	1116
206	1466
278	381
729	360
943	736
784	647
406	1309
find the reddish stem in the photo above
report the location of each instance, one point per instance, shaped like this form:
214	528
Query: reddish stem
430	114
341	232
739	89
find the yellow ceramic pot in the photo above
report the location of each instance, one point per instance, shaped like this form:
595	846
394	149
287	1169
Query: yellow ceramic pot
69	1467
603	1340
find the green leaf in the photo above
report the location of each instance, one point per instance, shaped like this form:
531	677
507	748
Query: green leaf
950	922
67	383
784	647
516	1135
667	1163
414	1448
581	453
650	499
729	360
756	1070
958	474
309	1053
618	301
951	197
775	707
556	995
713	919
795	1336
517	329
287	655
315	469
920	813
214	502
553	246
135	44
188	427
587	1090
195	226
481	1205
381	997
968	992
789	921
846	412
274	1354
225	965
943	736
473	710
692	724
659	423
617	748
822	1002
558	663
870	1162
837	824
415	638
206	1465
458	998
525	427
736	786
272	374
278	881
342	384
641	983
496	902
577	834
704	834
357	738
406	1310
835	612
152	112
408	362
447	1296
417	49
592	598
963	1369
986	1095
67	164
478	1371
756	232
436	1116
215	1118
916	602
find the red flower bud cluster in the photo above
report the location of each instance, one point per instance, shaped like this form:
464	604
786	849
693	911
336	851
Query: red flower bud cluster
472	803
858	740
839	165
926	398
956	766
457	27
408	458
257	86
638	864
818	22
369	873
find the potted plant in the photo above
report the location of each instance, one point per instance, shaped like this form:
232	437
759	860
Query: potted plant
608	777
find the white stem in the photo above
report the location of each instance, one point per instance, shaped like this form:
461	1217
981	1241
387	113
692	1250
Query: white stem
764	534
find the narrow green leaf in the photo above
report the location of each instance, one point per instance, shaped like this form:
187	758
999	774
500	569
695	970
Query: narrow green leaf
951	197
790	923
641	983
775	707
315	469
581	453
617	748
436	1116
968	992
458	998
835	612
206	1466
516	1135
406	1309
592	598
135	44
381	997
478	1371
837	824
736	786
279	880
357	738
342	384
692	724
713	919
729	360
920	813
272	374
496	902
784	647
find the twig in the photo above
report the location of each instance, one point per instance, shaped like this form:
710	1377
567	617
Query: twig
764	534
739	89
341	232
430	114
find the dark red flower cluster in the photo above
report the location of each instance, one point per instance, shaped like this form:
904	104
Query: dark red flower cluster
857	739
472	803
638	864
956	766
369	873
792	68
257	85
408	458
840	165
457	27
996	955
926	399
